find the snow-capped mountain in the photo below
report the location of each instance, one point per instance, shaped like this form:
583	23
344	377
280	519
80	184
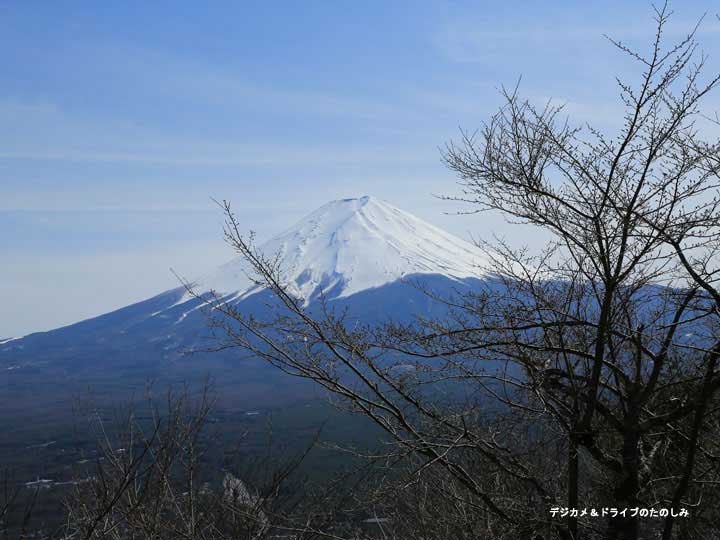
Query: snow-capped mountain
351	245
356	252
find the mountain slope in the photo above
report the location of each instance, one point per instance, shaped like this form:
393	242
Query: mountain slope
356	252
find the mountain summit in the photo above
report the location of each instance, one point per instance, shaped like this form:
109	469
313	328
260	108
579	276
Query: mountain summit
350	245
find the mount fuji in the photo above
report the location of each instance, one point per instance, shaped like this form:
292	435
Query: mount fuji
358	254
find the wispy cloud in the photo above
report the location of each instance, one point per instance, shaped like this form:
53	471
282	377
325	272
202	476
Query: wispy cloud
470	40
43	131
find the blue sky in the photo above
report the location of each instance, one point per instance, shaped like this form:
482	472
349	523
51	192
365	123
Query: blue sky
120	121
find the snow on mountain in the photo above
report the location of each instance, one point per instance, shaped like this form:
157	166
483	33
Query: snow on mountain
351	245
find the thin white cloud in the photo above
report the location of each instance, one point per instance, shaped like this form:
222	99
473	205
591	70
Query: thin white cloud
463	40
43	131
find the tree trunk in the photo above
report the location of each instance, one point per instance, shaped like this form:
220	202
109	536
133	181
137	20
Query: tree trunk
572	487
626	492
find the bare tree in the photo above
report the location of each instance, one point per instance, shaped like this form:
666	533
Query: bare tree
17	509
153	479
582	376
635	224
